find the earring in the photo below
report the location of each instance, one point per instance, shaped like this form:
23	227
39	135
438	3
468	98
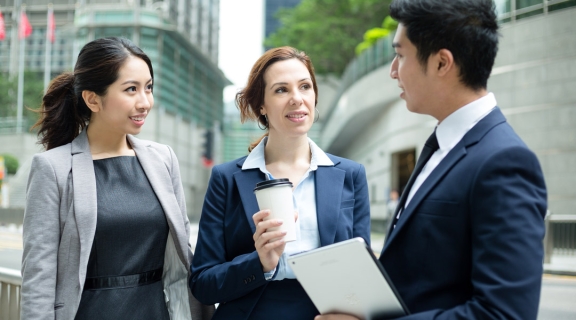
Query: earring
317	117
266	125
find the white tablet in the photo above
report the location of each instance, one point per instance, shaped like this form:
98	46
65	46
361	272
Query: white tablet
346	277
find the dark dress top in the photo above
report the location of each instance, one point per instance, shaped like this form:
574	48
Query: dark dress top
127	256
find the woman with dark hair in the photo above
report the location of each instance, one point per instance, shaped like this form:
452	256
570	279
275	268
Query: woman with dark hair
105	229
239	263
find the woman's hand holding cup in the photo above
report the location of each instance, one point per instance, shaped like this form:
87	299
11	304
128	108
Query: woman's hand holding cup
269	244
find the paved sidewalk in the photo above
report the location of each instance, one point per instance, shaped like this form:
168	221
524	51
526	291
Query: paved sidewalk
562	265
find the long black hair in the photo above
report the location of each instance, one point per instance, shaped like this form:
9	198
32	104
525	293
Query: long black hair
63	112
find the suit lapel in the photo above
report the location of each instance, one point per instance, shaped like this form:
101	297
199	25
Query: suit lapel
442	169
159	177
85	197
454	156
329	185
246	182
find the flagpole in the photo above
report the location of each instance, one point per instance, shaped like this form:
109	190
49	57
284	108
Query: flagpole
20	100
48	53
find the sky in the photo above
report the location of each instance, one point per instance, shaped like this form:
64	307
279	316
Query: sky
241	36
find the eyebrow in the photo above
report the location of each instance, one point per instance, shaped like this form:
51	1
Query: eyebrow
135	82
285	83
396	45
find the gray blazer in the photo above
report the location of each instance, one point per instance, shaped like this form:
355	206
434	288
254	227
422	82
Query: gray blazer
60	222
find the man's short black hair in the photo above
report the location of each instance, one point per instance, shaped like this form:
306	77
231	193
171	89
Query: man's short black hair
467	28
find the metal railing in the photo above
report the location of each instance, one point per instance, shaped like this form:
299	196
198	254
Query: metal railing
10	282
369	60
9	125
512	10
560	239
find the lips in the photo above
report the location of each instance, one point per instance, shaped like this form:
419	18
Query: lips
138	117
296	116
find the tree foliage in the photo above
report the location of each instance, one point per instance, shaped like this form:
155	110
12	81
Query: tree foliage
328	30
11	163
372	36
33	91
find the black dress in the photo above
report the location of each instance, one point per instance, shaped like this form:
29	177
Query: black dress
124	275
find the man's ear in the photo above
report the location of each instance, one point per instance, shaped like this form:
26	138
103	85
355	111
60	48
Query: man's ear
92	100
444	62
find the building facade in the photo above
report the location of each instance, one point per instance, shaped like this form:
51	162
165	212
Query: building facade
181	38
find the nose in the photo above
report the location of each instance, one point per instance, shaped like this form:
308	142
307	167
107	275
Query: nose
394	68
296	98
145	101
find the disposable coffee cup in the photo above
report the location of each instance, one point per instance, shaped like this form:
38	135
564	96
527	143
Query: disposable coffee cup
276	195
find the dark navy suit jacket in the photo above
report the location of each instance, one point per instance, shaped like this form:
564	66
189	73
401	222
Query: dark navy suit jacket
226	268
469	243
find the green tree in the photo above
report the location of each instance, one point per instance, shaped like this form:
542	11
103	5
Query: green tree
371	36
328	30
33	92
10	163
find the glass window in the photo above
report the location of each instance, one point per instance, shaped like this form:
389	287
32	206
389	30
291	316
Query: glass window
502	6
526	3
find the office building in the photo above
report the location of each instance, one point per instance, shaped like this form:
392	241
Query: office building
181	38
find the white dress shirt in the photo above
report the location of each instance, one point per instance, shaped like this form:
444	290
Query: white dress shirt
304	195
450	131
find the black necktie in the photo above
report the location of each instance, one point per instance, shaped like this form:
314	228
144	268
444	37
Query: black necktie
430	147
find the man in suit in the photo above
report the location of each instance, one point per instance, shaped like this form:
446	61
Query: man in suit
466	239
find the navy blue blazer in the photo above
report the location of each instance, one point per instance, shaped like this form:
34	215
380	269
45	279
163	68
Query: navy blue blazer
226	268
469	243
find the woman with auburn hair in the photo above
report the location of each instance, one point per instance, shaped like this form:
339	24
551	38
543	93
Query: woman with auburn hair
239	263
105	229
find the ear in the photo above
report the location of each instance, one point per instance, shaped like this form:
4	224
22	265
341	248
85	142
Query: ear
444	62
262	111
92	100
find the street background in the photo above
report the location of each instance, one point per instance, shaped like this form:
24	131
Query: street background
557	302
203	50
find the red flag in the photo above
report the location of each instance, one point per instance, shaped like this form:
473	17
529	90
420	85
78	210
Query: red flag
25	29
51	31
2	30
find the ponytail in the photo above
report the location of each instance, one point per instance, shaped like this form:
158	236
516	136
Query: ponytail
62	114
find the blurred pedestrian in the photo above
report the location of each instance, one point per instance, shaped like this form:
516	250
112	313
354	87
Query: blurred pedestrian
105	229
238	262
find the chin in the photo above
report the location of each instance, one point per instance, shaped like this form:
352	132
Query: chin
414	109
133	131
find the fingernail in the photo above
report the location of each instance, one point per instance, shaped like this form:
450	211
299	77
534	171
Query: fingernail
279	221
284	232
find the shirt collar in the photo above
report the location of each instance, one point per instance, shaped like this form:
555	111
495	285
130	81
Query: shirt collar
450	131
256	158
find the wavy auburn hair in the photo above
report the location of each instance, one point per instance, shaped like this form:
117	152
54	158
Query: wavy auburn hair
250	99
